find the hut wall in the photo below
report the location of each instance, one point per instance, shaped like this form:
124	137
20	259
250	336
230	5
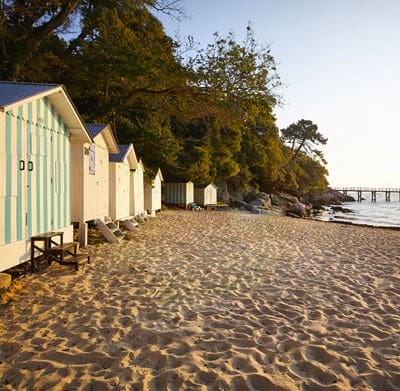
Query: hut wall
119	190
199	196
152	195
206	195
137	191
96	181
211	195
35	191
179	193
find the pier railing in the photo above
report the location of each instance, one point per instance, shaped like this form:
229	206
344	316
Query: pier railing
373	190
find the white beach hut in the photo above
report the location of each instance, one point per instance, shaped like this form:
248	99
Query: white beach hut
137	190
205	194
122	169
181	194
90	177
38	123
152	194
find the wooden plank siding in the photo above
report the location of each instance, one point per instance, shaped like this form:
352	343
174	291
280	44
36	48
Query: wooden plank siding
34	169
181	194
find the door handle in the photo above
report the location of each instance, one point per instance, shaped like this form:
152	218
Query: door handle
30	166
22	165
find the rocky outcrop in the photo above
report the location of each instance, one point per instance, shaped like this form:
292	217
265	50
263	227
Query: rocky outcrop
289	205
263	203
260	205
328	197
341	209
299	210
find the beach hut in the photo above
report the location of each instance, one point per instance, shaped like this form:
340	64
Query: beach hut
90	179
122	169
205	194
152	193
38	124
137	190
180	194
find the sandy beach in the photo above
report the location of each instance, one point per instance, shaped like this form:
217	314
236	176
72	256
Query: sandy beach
213	301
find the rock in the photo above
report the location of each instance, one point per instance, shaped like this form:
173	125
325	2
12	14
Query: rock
140	219
239	204
261	203
5	281
341	209
299	210
284	200
252	208
328	197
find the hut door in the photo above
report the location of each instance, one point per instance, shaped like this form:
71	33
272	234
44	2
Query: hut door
101	197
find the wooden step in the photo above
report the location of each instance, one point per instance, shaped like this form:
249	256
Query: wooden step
63	247
75	260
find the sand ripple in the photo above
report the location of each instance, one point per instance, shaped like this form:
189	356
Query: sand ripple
213	301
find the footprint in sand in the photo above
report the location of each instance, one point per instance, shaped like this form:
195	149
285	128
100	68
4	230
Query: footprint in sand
311	370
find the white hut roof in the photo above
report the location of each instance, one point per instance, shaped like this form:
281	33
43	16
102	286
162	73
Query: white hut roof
17	93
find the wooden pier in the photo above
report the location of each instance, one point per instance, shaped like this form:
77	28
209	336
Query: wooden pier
360	190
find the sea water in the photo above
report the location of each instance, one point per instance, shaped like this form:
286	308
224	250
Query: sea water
380	213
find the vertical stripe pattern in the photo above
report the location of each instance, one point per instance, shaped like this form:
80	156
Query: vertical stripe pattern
8	187
179	193
35	188
29	144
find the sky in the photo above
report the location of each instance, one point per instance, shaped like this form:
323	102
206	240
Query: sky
340	64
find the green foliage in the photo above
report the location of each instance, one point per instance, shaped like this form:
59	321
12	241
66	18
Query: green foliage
204	119
304	136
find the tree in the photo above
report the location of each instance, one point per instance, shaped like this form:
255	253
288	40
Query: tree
303	136
234	85
24	25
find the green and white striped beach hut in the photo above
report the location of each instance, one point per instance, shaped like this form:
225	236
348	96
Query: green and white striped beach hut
38	122
181	194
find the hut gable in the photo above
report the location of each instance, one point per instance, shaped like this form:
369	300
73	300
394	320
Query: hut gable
125	155
105	132
16	94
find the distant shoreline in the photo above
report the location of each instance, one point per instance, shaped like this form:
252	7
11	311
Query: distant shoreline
393	227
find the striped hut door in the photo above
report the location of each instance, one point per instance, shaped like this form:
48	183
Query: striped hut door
29	170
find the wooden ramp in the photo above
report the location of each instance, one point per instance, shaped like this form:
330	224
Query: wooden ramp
110	230
129	223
